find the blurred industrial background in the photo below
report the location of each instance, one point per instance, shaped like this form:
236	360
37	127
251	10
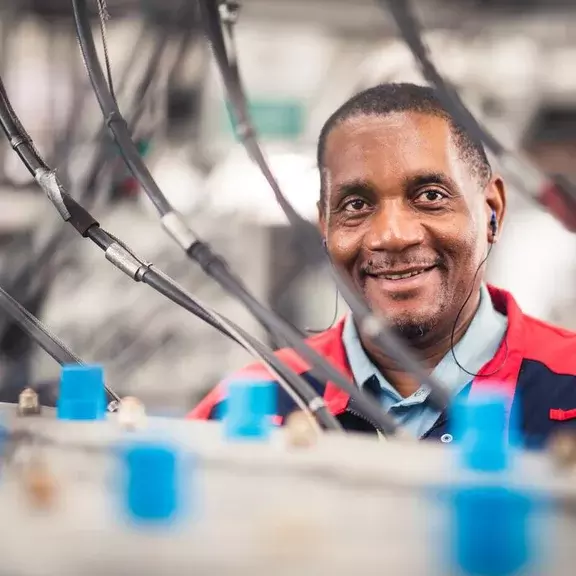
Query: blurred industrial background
514	62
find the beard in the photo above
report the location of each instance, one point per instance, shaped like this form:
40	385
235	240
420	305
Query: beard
418	328
412	330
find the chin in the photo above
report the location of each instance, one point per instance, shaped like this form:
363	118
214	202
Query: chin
409	322
413	330
414	314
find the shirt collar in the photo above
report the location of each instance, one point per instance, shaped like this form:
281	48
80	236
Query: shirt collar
474	349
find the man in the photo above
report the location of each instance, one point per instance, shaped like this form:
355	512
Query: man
410	208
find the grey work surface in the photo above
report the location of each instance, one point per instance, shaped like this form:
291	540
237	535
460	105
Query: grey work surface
349	505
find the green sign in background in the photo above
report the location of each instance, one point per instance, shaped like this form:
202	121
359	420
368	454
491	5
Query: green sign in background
273	119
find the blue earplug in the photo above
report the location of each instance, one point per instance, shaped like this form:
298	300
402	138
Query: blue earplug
494	223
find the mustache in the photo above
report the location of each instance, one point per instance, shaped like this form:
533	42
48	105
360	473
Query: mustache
383	263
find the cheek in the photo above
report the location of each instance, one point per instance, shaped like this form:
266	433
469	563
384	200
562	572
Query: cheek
344	247
467	252
456	235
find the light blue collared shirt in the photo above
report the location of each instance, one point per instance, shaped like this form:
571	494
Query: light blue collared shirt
477	347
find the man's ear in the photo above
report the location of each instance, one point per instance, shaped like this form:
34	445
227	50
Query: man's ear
495	202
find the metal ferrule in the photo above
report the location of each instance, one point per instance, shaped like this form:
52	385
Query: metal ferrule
52	188
123	260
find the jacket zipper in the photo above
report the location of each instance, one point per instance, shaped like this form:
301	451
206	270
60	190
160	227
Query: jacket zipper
441	421
365	419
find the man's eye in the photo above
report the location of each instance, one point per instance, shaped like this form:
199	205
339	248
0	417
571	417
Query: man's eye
431	196
355	205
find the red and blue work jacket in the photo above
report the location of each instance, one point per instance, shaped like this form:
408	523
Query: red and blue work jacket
536	365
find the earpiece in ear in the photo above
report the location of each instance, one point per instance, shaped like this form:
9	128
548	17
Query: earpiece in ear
324	243
493	225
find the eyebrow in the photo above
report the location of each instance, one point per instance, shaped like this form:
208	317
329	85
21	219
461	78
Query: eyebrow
428	178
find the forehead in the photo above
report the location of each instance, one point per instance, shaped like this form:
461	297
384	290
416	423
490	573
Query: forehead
384	150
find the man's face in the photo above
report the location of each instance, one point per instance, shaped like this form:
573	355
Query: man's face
404	215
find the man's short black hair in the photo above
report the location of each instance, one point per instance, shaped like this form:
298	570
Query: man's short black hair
386	99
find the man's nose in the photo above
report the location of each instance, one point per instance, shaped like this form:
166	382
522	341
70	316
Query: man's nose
394	228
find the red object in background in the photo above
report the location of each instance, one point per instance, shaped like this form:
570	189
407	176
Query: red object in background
128	188
560	204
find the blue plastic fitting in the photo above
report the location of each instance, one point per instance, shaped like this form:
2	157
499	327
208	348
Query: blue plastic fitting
152	493
493	531
492	522
82	395
481	431
248	410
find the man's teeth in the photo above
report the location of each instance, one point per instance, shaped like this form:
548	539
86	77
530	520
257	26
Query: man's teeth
401	276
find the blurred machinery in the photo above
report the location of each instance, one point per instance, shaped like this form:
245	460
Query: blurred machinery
157	494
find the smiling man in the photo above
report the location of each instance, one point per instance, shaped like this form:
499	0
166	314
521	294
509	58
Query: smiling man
409	208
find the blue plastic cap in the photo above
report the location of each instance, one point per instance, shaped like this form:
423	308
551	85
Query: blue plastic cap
151	484
492	532
481	429
248	410
82	395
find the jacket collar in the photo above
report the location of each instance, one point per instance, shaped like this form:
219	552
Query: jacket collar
503	368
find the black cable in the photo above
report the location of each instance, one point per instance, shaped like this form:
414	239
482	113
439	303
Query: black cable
125	260
18	137
161	284
200	251
215	18
65	144
167	287
103	16
20	283
454	326
105	151
113	118
141	94
42	336
515	167
164	285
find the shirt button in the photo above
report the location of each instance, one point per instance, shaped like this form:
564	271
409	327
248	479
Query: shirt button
446	438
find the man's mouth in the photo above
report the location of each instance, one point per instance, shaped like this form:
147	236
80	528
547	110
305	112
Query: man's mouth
402	274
